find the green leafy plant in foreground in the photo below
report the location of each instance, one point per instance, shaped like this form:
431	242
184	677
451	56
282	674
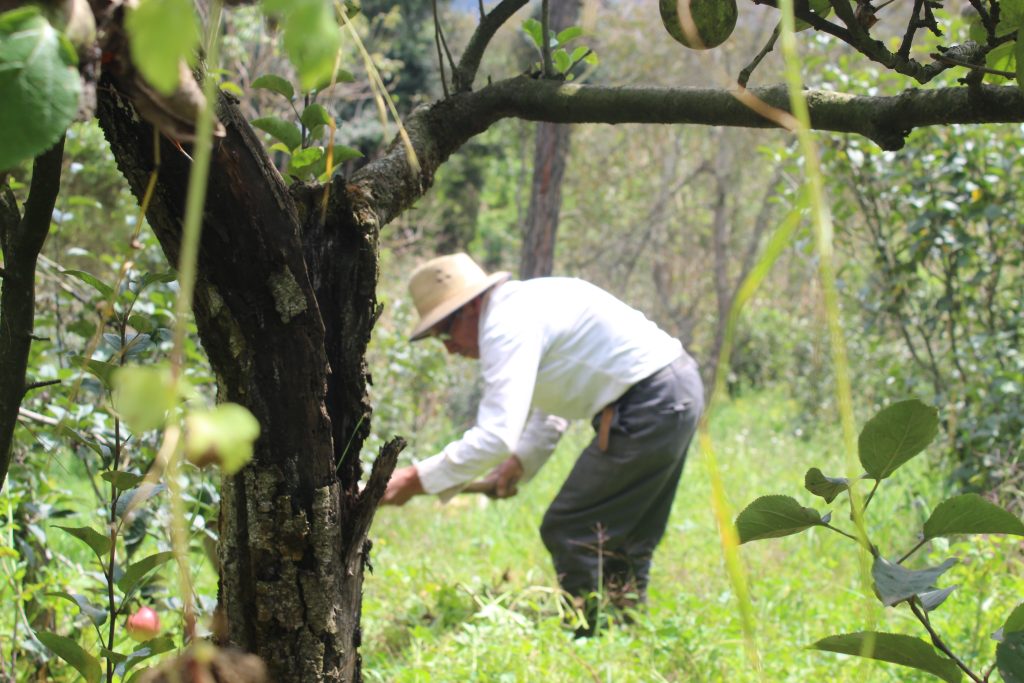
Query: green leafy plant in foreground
890	439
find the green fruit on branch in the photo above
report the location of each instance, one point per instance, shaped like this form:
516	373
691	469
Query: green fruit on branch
699	24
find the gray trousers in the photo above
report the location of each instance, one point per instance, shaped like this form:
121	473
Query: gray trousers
612	510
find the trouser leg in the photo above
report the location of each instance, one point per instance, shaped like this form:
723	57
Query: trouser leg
612	510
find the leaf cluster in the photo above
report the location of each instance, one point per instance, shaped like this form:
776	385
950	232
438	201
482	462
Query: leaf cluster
887	441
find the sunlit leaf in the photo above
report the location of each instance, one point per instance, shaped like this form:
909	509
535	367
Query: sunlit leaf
224	435
162	33
971	514
39	85
532	27
312	40
569	34
774	516
142	395
895	435
895	649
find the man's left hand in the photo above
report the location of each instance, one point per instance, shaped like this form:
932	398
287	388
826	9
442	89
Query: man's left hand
403	485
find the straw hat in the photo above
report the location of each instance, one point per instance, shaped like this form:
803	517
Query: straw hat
445	284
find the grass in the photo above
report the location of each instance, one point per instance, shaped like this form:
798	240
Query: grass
465	592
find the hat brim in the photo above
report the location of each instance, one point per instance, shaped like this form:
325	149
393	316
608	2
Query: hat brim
454	303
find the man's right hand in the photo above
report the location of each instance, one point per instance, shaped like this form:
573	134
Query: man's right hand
505	477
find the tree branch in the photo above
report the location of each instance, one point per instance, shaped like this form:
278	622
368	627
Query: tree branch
462	79
21	243
388	185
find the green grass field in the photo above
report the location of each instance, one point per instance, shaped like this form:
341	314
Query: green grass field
465	591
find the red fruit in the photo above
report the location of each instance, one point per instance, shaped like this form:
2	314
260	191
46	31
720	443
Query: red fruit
143	625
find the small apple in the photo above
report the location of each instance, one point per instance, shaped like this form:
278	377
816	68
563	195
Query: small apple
143	625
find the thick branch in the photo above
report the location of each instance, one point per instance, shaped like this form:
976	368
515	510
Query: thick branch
389	184
21	240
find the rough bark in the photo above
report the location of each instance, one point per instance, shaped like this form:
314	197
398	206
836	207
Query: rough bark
551	147
285	324
21	239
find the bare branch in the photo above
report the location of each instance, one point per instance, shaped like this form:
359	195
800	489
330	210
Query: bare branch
388	185
489	25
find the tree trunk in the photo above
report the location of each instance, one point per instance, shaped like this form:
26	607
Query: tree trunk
549	156
284	307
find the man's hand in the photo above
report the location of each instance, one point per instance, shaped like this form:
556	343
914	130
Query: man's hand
505	477
403	485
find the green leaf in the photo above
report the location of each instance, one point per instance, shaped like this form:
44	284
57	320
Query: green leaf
340	76
895	583
895	649
143	394
340	154
560	60
122	481
39	86
224	434
133	498
152	278
820	7
99	543
971	514
136	572
97	615
285	131
316	115
1015	622
1010	657
162	33
825	487
932	599
275	83
312	40
895	435
232	88
534	30
303	160
774	516
150	648
105	290
72	653
1001	58
102	370
569	34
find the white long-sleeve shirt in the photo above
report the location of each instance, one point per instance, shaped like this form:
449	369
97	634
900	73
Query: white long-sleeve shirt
551	349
